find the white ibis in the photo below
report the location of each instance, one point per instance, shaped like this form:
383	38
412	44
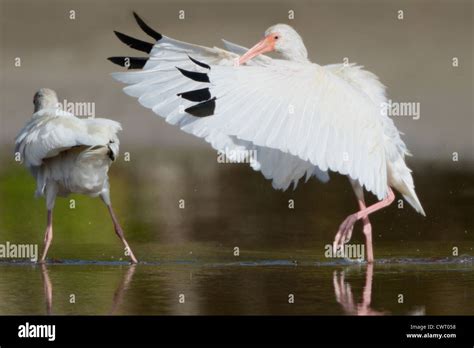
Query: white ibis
67	154
302	119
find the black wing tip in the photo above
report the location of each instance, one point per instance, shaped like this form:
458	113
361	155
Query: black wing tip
203	109
147	29
129	62
134	43
117	60
138	19
121	36
201	64
197	95
196	76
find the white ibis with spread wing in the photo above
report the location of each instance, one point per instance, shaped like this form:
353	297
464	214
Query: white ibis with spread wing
301	118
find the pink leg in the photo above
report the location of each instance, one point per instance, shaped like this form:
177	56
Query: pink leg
345	237
345	229
48	236
367	230
119	232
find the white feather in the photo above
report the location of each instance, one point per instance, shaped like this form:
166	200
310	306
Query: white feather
67	154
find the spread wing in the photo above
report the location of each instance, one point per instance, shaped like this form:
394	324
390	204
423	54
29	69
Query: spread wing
156	82
301	109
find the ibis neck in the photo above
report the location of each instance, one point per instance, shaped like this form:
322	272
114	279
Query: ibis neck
296	54
299	59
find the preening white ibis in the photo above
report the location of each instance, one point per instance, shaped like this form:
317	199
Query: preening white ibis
302	119
67	154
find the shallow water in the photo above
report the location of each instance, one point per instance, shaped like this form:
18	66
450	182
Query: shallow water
424	265
263	287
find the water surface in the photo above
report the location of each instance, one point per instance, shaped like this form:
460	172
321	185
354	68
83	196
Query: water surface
264	287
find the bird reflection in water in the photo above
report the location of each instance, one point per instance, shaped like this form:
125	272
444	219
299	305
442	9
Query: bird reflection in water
345	298
122	288
116	299
48	288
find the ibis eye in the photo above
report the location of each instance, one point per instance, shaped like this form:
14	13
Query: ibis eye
276	37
